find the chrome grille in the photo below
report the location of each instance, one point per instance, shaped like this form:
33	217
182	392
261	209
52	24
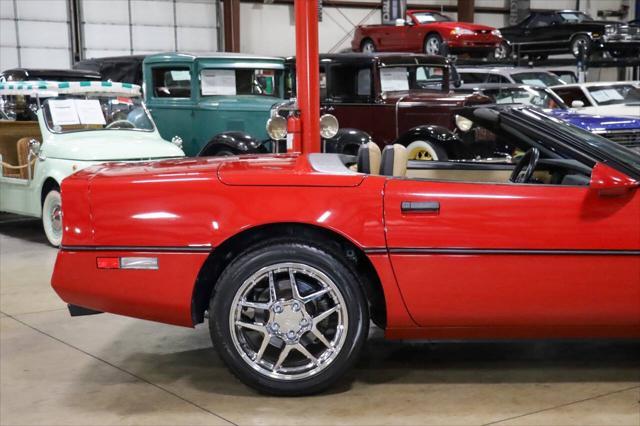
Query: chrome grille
630	139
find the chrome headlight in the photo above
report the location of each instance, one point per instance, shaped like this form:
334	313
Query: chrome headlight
610	30
463	123
461	31
496	33
328	126
277	128
177	141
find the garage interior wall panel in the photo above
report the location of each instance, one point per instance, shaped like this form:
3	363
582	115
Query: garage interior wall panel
34	33
124	27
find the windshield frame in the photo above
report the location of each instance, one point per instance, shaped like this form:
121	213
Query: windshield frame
556	80
44	108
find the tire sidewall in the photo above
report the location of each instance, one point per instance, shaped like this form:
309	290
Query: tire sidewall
575	41
437	153
242	268
52	199
368	42
426	41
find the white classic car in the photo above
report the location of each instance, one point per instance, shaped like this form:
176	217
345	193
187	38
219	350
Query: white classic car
50	130
604	98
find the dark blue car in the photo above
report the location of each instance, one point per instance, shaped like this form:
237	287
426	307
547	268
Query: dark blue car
624	130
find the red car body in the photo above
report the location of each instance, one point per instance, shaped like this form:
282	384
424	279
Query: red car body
459	37
496	262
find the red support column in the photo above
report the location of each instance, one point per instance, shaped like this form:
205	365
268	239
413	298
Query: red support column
307	73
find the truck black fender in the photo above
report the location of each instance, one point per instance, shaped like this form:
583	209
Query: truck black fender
346	141
232	143
429	142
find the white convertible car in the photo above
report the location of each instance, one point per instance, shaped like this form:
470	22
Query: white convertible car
607	98
49	130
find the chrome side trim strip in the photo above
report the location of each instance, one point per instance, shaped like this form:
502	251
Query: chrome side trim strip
180	249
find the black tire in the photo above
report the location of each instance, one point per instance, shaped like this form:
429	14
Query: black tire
502	52
273	253
576	41
367	46
435	39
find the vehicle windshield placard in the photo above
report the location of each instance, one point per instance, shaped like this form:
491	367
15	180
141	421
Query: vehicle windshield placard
218	82
66	112
606	95
394	79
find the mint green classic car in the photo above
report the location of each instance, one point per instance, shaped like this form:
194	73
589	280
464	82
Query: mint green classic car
224	98
50	130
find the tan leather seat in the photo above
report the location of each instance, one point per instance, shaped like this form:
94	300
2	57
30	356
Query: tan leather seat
10	133
23	157
394	160
369	157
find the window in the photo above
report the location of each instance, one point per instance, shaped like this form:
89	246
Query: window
537	78
497	78
249	81
171	82
615	94
426	17
574	17
570	94
349	83
403	78
541	21
473	77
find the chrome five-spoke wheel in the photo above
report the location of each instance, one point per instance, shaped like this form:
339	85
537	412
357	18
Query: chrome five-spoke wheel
289	321
288	318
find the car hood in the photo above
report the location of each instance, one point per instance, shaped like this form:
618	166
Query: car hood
418	97
250	103
109	145
596	122
466	25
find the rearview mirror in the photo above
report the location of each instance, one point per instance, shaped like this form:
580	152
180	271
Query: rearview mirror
400	22
577	104
610	182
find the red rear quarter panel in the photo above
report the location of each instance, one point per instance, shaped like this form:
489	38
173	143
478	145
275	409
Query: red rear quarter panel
180	212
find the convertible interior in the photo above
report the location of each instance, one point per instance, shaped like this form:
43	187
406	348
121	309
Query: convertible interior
14	146
517	159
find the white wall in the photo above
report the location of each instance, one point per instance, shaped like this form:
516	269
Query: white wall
124	27
34	33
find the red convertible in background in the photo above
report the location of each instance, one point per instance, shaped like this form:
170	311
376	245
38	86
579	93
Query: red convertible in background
427	31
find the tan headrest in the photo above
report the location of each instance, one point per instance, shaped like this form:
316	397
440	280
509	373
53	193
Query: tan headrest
369	157
394	160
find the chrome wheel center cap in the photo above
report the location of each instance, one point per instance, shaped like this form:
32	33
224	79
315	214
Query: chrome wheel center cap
289	320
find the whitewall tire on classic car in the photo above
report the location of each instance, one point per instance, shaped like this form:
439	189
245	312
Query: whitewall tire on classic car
288	318
422	150
52	217
432	44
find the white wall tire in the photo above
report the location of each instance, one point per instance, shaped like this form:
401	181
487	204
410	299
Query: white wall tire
425	151
52	217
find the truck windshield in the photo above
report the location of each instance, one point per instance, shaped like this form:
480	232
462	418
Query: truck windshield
403	78
615	94
66	114
232	82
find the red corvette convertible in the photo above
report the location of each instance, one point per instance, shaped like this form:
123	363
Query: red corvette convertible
290	256
427	31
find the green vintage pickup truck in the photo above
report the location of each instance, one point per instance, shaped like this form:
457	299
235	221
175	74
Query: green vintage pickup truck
218	104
